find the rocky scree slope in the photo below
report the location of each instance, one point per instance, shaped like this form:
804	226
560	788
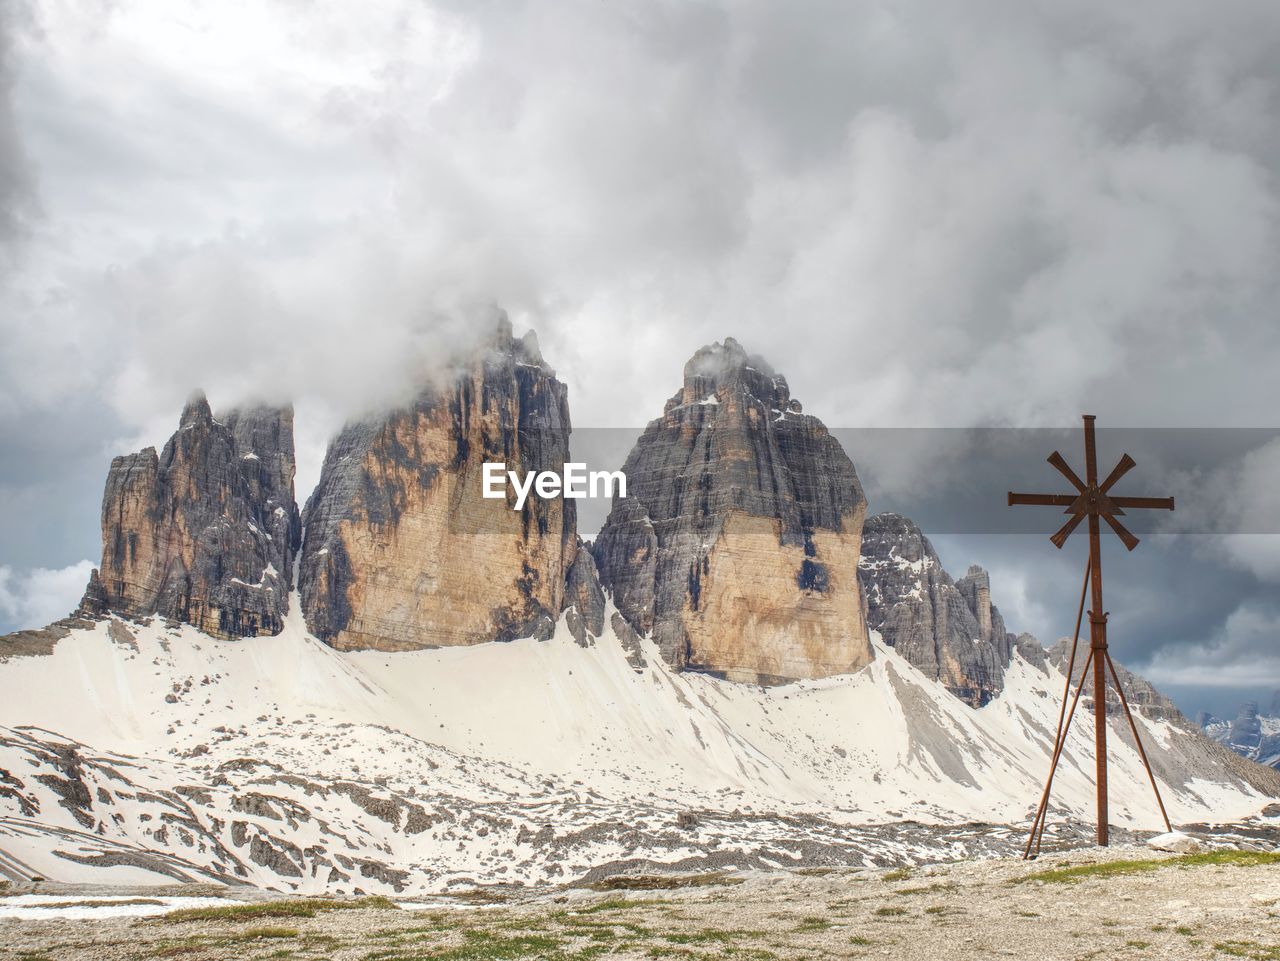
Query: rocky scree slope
285	764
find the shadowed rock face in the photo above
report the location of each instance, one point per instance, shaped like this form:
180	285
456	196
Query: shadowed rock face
1246	729
403	552
584	600
1138	691
205	532
737	545
948	629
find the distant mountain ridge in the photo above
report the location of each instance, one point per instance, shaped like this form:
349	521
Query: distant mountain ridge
1253	733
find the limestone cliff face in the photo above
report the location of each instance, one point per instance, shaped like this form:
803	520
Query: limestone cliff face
403	552
737	546
948	629
204	532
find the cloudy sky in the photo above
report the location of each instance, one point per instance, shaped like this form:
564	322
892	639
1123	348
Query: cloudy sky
924	214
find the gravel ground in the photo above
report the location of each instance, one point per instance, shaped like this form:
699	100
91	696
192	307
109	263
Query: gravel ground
1167	908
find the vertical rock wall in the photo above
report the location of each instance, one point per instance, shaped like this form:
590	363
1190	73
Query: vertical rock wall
204	532
737	546
401	549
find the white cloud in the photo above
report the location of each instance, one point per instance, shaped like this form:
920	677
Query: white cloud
916	217
34	598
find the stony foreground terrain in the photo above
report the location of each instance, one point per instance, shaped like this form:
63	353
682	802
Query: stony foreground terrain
1123	903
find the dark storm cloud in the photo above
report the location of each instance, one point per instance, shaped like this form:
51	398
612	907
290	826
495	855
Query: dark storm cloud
1001	213
17	180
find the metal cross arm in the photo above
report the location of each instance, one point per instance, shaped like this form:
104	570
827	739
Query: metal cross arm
1091	498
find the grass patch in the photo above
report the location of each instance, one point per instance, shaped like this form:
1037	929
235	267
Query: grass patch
709	936
385	933
483	946
1249	949
296	908
898	874
488	946
274	934
812	924
620	904
1137	944
889	912
943	910
599	925
936	886
663	882
860	941
1107	869
815	872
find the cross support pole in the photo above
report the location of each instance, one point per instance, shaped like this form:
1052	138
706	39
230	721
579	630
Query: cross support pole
1097	633
1092	501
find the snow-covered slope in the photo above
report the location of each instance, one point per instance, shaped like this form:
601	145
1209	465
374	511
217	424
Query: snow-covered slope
155	752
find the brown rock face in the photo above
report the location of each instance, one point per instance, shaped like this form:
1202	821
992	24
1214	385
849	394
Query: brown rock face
737	546
204	532
402	550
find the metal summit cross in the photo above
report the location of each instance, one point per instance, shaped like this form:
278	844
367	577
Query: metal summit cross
1094	502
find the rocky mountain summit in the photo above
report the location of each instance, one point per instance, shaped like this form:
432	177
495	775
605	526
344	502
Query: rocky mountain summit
204	532
1252	733
403	552
736	548
948	629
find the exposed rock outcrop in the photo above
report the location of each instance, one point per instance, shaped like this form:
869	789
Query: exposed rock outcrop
205	531
1140	693
1029	646
584	600
948	629
402	551
737	546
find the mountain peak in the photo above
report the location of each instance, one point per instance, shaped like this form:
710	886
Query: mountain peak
501	345
723	369
196	410
733	497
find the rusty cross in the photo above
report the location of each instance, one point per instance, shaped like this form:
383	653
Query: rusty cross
1093	502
